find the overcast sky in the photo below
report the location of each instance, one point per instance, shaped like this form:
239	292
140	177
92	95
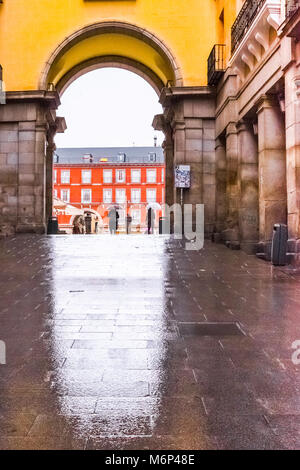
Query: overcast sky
109	108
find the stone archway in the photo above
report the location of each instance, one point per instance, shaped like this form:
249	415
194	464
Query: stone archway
127	44
150	59
188	120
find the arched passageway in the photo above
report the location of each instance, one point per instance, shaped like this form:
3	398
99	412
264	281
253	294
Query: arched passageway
187	119
120	45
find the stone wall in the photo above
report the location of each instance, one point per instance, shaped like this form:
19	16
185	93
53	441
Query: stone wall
190	115
26	123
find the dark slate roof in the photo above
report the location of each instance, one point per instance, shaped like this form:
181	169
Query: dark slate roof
133	154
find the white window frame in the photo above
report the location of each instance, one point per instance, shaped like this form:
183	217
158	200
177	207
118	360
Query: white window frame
55	176
121	191
133	200
63	178
162	175
136	221
121	213
107	172
55	192
67	199
152	157
85	180
151	171
122	180
106	191
149	200
133	171
83	191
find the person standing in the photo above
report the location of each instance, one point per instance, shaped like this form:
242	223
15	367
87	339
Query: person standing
150	220
128	223
113	220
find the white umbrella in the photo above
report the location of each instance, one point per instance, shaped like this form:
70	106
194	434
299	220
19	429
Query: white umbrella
71	210
58	203
154	205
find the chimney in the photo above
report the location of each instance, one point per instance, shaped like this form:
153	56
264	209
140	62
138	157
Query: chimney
155	141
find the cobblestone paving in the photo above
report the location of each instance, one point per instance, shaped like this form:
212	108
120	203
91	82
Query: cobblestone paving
96	356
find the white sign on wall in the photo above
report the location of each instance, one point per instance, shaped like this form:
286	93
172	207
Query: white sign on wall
183	176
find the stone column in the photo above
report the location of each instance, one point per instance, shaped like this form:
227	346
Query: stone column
49	178
272	169
209	175
221	178
161	124
190	111
24	123
292	110
179	156
231	233
248	187
169	162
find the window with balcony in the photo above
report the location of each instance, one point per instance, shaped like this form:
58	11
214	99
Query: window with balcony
216	64
86	176
107	176
107	195
86	196
65	177
121	196
136	216
135	176
135	196
65	195
151	176
120	176
121	213
245	18
151	195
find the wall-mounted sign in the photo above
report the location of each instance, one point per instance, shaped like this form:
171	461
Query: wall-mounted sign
183	176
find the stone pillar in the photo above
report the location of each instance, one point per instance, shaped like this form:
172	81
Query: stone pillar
190	111
272	169
231	233
49	178
169	162
161	124
24	123
292	110
248	187
221	178
209	175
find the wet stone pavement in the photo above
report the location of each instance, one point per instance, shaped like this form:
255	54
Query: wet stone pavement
102	350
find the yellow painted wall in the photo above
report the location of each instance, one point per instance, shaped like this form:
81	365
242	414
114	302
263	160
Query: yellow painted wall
30	30
230	10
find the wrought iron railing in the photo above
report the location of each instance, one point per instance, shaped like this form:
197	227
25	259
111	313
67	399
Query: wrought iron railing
291	6
244	20
216	64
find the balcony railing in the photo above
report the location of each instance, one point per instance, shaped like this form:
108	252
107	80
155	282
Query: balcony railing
291	6
216	64
244	20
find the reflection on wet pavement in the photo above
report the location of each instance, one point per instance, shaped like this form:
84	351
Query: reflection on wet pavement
97	357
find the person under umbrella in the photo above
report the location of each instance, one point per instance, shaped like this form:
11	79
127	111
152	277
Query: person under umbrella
113	217
150	220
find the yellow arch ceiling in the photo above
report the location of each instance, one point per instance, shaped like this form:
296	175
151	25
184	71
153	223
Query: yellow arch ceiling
111	44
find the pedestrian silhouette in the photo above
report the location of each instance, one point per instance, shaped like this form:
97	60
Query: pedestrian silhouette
150	220
113	216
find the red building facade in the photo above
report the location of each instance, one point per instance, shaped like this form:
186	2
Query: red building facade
93	181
